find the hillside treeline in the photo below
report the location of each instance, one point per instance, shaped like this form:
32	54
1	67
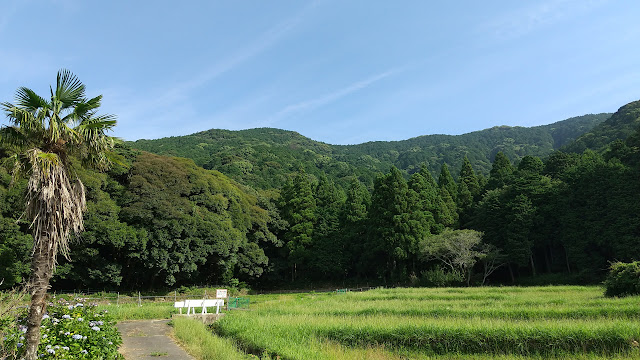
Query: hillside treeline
157	222
265	158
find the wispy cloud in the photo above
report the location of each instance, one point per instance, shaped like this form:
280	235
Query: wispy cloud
531	18
176	96
311	104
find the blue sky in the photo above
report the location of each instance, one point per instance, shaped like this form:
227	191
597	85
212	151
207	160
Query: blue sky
337	71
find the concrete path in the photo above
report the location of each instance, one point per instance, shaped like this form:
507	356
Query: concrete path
149	340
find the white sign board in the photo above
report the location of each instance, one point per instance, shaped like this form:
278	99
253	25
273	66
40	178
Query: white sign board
221	293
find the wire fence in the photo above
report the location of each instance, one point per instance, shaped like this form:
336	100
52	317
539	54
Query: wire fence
103	297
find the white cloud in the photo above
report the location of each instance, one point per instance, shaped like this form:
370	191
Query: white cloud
311	104
528	19
172	101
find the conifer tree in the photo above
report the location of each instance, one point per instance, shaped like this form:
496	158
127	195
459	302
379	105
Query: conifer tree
501	172
354	225
299	210
422	197
393	242
469	178
447	214
445	180
328	253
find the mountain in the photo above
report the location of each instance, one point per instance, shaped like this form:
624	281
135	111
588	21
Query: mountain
264	158
619	126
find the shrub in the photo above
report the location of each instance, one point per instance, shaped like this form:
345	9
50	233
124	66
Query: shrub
439	277
69	331
623	279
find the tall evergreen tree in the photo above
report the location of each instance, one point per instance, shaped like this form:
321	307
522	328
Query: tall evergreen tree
422	197
328	252
501	172
445	180
299	210
354	225
393	242
447	213
469	178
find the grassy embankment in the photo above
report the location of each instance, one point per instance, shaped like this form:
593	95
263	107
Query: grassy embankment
470	323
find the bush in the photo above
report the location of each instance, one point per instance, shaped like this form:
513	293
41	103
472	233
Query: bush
623	279
69	331
439	277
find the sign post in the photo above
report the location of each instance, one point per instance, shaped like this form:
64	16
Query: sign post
222	294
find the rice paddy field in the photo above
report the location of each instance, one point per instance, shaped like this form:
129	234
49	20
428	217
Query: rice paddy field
562	322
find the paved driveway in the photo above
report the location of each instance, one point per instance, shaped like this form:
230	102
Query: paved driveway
149	340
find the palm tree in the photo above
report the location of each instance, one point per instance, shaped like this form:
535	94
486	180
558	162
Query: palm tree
44	137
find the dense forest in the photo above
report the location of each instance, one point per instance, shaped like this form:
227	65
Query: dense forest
272	208
265	158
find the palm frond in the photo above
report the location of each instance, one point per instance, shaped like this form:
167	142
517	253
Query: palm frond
115	158
102	123
69	89
12	136
30	101
22	118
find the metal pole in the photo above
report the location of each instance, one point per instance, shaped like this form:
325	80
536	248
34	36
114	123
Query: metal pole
139	299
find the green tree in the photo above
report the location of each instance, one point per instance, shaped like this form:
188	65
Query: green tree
299	210
353	224
394	242
445	180
45	136
459	250
469	178
328	252
501	172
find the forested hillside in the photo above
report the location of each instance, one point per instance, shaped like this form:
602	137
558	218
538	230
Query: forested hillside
618	127
264	158
282	210
156	222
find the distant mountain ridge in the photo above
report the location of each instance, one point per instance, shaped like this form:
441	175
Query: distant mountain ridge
265	157
619	126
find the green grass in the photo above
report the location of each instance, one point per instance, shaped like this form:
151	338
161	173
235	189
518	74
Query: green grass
566	322
201	343
147	311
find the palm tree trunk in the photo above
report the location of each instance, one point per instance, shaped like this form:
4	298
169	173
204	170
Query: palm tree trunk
38	286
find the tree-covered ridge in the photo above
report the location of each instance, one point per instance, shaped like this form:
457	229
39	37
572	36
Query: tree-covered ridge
154	222
619	126
265	158
161	221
